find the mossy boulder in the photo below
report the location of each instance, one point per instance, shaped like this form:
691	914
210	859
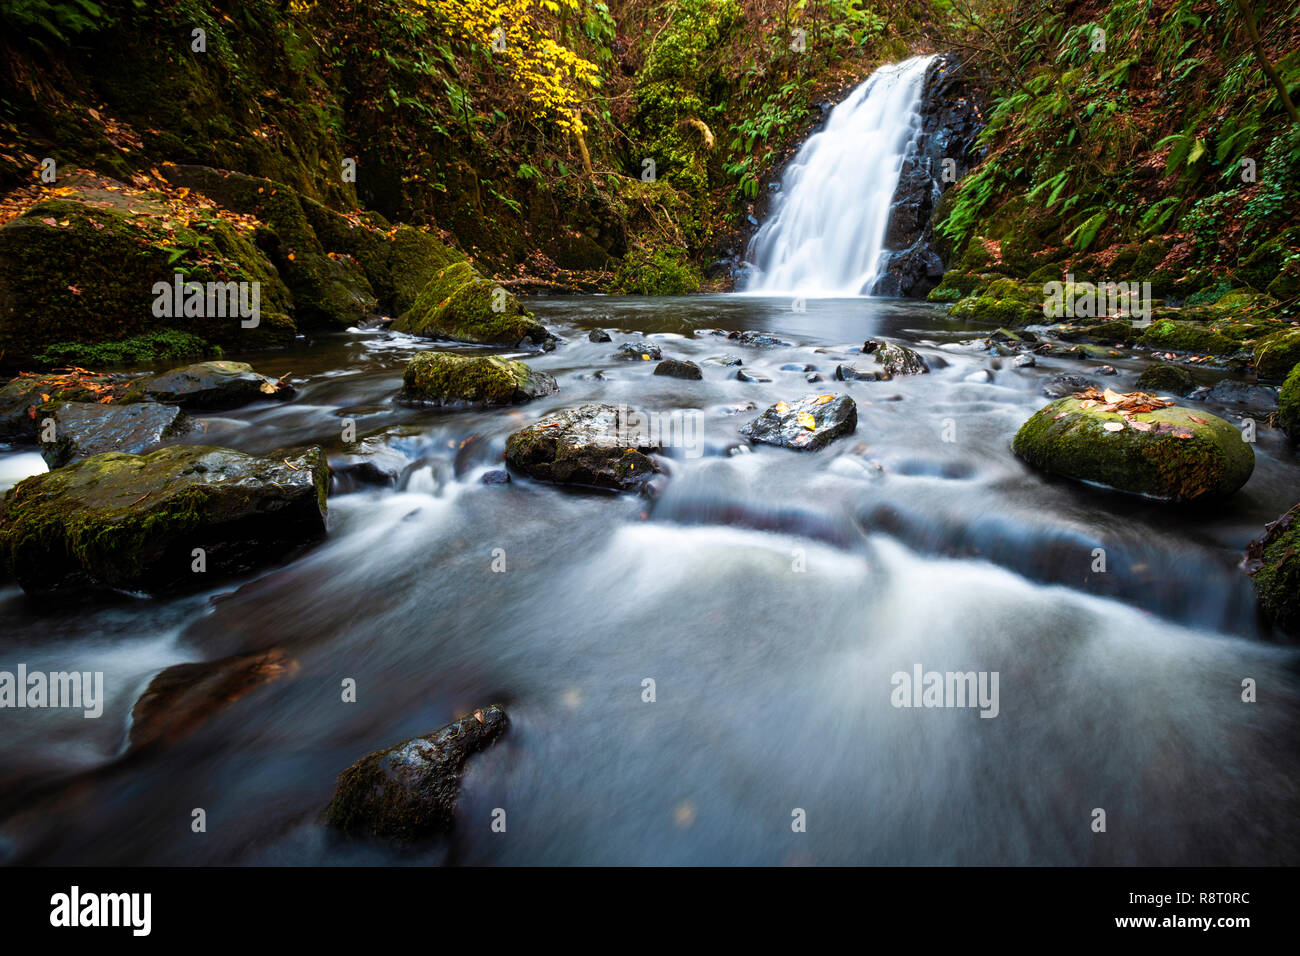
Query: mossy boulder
1172	453
81	269
1112	333
21	398
1166	378
1288	405
444	378
1175	336
133	522
207	385
71	431
1273	562
1277	354
409	792
597	446
461	305
1014	308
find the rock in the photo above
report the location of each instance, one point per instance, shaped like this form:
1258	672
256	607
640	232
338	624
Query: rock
1277	354
132	522
812	378
1106	370
856	373
644	352
1165	378
598	335
1007	335
1168	334
84	429
809	424
20	398
1273	563
1024	361
349	475
749	375
599	446
498	476
1232	392
183	697
1288	405
899	360
1062	385
762	340
679	369
1178	459
445	378
723	360
798	367
207	385
409	791
458	304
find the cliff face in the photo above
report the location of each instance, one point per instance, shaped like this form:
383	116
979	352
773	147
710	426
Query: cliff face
951	119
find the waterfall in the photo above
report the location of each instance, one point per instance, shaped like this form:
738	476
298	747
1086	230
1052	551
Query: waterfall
826	231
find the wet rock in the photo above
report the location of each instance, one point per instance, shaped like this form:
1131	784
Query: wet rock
1106	370
349	475
20	398
409	791
638	352
762	340
809	424
1007	335
1288	405
856	373
1062	385
183	697
132	522
723	360
812	377
798	367
749	375
598	446
1273	563
598	335
1260	397
1024	361
498	476
445	378
899	360
1173	453
84	429
207	385
675	368
1277	354
1168	379
458	304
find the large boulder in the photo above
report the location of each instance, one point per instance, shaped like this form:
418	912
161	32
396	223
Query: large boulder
1277	354
599	446
461	305
445	378
72	431
207	385
409	792
1171	453
21	397
1288	405
133	522
809	424
1273	562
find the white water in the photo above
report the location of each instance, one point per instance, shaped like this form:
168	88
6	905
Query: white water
826	231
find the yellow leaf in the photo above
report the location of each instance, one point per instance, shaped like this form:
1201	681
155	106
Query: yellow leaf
807	421
782	407
1112	397
823	399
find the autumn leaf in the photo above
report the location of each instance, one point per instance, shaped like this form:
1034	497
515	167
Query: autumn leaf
823	399
1113	426
1199	421
806	420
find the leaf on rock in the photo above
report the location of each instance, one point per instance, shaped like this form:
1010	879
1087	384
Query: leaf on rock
1113	426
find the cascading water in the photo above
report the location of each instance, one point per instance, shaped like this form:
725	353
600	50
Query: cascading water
826	231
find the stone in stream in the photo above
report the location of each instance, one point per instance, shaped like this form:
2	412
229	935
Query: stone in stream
80	430
460	304
898	360
1288	405
598	446
598	335
208	385
632	352
1172	453
409	792
1273	563
856	373
184	696
675	368
1060	386
498	476
134	522
809	424
762	340
724	360
1169	379
445	378
1024	361
1262	398
749	375
20	397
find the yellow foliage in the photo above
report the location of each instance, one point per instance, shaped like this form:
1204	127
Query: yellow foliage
551	75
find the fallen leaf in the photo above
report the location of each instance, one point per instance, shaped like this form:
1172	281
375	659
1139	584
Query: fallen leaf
807	421
1199	421
1113	426
823	399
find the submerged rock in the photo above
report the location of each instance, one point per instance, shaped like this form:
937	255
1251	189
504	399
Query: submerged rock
133	522
809	424
675	368
1172	453
599	446
1229	391
1166	378
751	376
208	385
598	335
856	373
1273	563
409	791
85	429
1061	385
642	352
762	340
445	378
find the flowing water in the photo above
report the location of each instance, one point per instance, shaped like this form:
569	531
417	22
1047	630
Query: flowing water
769	594
826	230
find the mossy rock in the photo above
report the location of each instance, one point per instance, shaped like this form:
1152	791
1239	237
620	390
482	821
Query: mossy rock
1112	333
1169	379
1288	405
1179	459
132	522
1174	336
596	446
1273	561
1286	285
1052	272
444	378
207	385
964	282
943	294
986	308
1277	354
461	305
81	269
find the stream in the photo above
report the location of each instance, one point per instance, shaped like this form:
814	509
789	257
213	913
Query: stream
768	594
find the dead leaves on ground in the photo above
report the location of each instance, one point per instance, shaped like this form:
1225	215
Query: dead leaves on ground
1128	404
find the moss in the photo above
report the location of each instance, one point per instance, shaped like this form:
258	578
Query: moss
1182	337
442	377
1276	559
986	308
1166	378
666	271
162	346
1112	333
1051	272
1068	440
1286	285
457	303
943	294
1277	354
1288	405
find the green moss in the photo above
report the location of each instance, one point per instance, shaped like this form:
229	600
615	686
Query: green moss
943	294
443	377
666	271
1068	440
458	304
1165	378
1113	333
162	346
1288	405
1277	354
1182	337
1277	578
